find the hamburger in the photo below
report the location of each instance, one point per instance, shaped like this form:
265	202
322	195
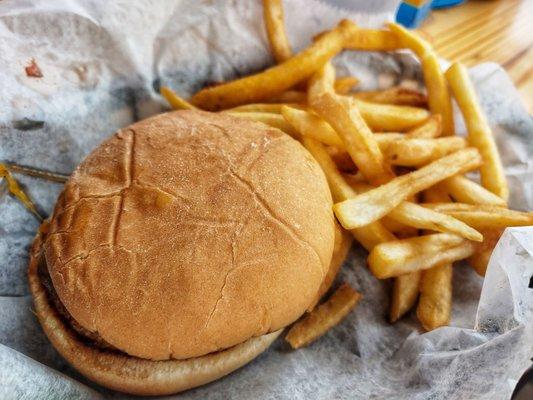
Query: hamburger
179	249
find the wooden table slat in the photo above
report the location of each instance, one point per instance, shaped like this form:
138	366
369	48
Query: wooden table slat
480	31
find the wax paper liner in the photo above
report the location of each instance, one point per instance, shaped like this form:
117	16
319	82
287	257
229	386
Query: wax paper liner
102	63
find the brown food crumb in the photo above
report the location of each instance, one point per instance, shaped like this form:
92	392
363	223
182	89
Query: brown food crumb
33	70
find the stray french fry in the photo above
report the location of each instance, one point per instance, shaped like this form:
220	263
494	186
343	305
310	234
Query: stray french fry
342	244
345	119
438	95
417	152
345	85
435	302
311	125
270	119
374	204
277	79
14	188
395	95
400	257
404	294
371	39
415	215
275	27
324	317
368	236
390	118
464	190
480	260
483	216
175	101
479	132
431	128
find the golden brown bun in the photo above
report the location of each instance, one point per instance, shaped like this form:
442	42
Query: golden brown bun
128	374
343	242
191	232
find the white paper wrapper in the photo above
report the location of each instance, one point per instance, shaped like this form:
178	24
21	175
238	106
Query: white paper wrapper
101	63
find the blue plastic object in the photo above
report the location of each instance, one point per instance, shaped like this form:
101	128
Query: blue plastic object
411	16
445	3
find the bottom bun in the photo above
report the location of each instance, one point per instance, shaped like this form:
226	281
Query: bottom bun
124	373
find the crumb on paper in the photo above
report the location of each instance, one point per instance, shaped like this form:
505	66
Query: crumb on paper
33	70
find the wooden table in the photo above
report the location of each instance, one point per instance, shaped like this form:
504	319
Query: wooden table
488	30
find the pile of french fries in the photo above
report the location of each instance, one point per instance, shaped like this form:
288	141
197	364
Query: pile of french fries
395	168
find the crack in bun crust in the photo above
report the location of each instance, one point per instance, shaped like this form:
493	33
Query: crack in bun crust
188	233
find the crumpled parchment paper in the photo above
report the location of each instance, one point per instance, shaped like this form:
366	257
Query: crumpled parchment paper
102	63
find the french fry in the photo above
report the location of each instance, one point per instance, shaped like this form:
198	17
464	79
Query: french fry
414	215
430	128
395	95
438	95
384	139
404	256
480	260
368	236
416	152
270	119
14	188
371	39
311	125
390	118
404	294
411	40
402	231
275	27
341	247
405	287
344	162
464	190
345	85
483	216
340	189
322	81
435	302
274	108
323	318
436	194
289	96
479	132
345	119
277	79
175	101
374	204
409	214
